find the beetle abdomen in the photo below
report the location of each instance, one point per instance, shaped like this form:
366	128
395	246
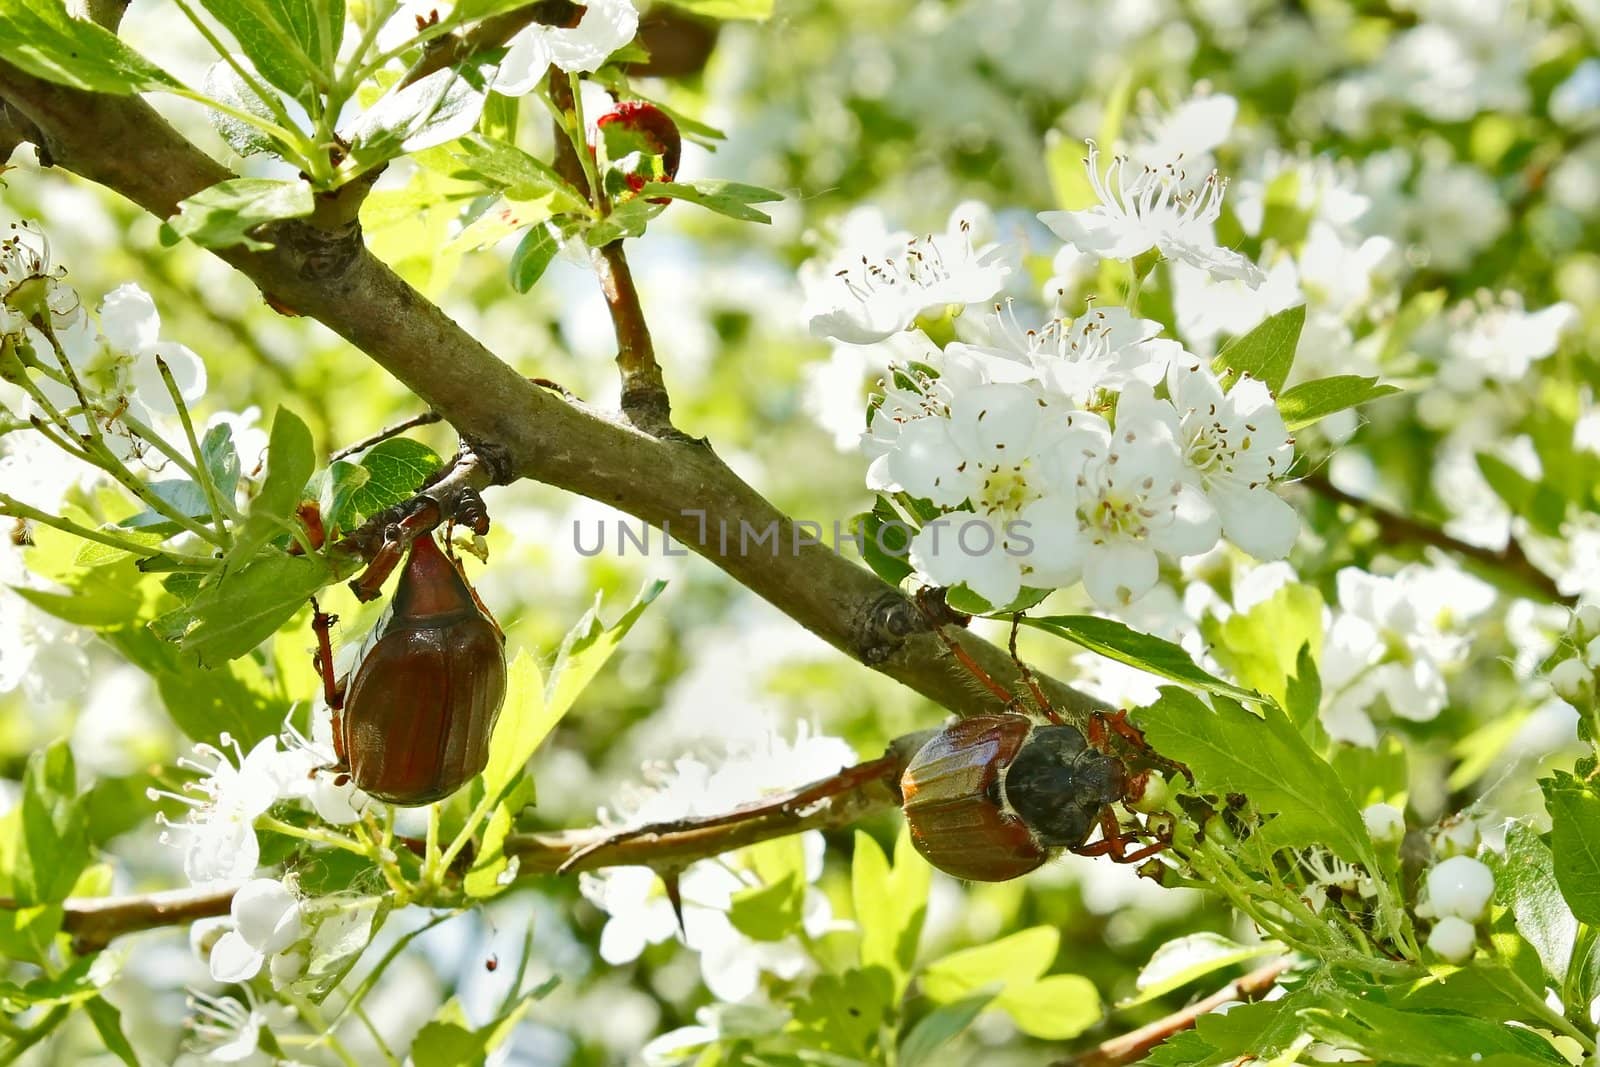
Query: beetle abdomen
952	805
422	707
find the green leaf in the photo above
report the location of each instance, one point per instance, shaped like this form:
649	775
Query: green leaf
1544	507
291	457
1261	647
247	606
726	9
885	541
1187	959
1020	959
845	1013
1374	775
1427	1039
236	697
732	199
220	459
41	38
449	1041
108	1023
1266	352
937	1029
289	42
508	168
225	214
224	85
396	469
628	219
588	646
1310	402
410	118
181	495
534	253
1125	645
769	912
523	725
55	831
100	604
890	904
1265	758
1055	1008
1574	808
1525	881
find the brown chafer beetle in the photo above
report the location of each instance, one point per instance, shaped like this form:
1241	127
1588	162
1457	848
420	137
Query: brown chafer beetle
413	718
992	797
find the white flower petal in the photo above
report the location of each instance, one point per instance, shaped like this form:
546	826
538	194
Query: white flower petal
1116	575
129	319
234	960
1257	520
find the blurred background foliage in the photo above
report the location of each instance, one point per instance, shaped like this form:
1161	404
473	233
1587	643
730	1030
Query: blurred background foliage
909	106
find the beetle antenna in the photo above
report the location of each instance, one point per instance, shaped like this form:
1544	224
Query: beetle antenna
1043	702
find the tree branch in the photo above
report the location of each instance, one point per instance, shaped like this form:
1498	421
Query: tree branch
1397	529
519	429
1136	1044
838	800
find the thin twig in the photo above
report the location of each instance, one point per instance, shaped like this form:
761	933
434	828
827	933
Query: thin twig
427	418
1136	1044
870	787
1397	529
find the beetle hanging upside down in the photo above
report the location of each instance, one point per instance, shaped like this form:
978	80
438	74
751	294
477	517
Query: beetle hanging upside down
992	797
413	718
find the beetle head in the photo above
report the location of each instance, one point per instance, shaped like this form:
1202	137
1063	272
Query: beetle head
1059	785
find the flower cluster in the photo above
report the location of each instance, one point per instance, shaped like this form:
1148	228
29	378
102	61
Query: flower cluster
218	836
1085	448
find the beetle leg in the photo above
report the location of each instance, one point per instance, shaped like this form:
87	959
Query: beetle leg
1114	842
938	614
384	561
322	626
1045	707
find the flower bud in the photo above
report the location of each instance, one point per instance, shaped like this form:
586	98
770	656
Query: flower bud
1591	653
1385	822
1453	939
1460	886
641	144
267	915
1571	680
286	967
1456	837
1587	618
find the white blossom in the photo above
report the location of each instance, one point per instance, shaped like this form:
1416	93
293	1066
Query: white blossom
218	837
132	327
1234	447
866	293
639	913
1394	638
1572	680
606	26
1013	456
25	259
1105	348
1131	503
1385	822
266	920
1151	209
227	1030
